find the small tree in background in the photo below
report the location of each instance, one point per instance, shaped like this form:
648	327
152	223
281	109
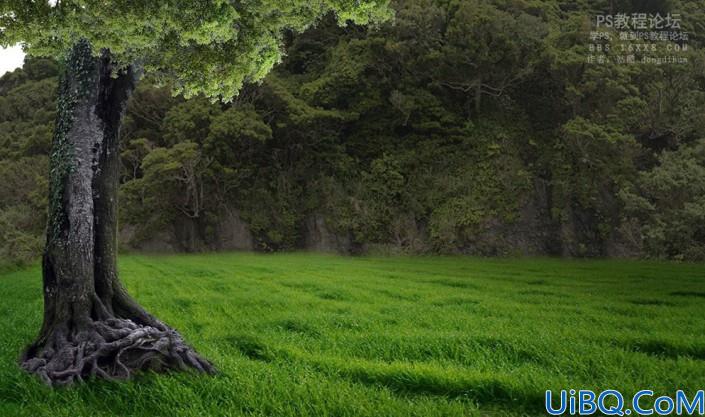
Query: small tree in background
92	327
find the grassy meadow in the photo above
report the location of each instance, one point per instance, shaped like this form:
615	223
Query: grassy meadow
318	335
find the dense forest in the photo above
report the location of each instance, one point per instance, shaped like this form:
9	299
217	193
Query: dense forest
463	126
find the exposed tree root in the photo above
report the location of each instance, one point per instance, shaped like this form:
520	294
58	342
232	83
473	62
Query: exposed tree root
112	349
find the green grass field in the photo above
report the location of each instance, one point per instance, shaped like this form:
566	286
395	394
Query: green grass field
316	335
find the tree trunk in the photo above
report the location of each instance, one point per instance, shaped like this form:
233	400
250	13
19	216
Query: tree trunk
92	327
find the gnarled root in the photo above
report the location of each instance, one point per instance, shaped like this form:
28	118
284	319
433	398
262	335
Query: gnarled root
111	349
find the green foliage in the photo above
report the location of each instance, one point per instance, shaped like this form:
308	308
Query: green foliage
22	209
203	47
486	49
667	204
27	109
364	140
26	125
297	335
173	184
189	120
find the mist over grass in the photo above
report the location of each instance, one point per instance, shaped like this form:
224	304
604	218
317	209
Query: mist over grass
317	335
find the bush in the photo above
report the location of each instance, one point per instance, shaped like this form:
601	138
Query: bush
669	204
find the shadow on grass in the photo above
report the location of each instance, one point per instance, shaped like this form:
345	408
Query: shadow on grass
184	304
453	283
298	326
456	301
481	389
251	347
650	302
508	349
426	378
396	295
333	295
540	293
666	349
698	294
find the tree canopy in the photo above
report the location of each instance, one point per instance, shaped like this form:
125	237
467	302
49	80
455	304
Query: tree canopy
196	47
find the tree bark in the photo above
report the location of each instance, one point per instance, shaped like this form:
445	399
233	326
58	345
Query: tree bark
92	327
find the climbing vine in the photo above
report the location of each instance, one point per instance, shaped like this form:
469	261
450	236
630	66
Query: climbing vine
79	77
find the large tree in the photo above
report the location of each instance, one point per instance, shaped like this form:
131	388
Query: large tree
92	327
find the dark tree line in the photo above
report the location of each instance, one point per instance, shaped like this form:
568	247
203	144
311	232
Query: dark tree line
463	127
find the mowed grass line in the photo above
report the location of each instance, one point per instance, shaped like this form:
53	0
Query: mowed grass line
318	335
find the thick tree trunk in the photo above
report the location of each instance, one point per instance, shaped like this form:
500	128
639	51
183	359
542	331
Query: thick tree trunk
92	327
